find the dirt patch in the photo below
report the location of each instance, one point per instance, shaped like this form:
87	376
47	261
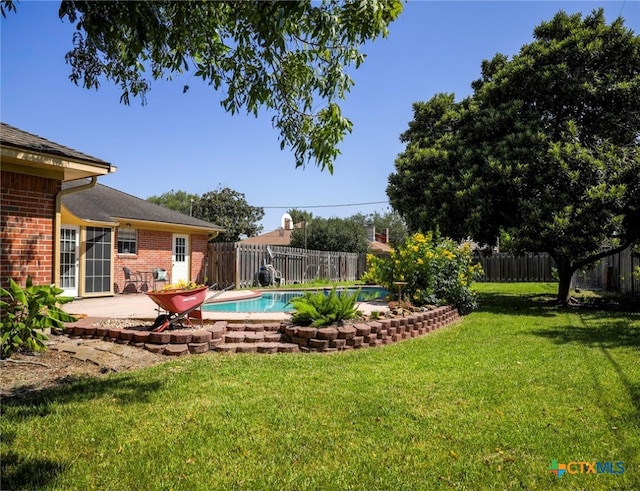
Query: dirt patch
68	359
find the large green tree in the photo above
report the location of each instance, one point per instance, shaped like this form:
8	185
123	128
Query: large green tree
290	58
390	221
176	200
223	207
229	209
331	234
300	216
546	149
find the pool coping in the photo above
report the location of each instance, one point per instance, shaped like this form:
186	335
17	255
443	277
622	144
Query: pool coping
257	293
380	305
139	306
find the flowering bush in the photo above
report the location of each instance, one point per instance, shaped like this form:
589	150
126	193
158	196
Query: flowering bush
436	271
181	285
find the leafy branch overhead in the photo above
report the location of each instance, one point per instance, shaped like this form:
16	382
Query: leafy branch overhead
290	58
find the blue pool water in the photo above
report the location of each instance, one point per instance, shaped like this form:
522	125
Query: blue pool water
276	301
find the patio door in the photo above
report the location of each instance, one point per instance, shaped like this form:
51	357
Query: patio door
69	260
180	258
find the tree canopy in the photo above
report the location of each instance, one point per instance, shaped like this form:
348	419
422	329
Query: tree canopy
331	234
390	221
290	58
229	209
224	207
546	149
300	216
176	200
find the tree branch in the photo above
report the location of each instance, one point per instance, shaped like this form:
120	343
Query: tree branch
600	255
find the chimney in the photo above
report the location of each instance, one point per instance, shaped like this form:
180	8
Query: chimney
371	233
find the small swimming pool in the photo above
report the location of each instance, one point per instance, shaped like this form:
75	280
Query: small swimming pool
276	301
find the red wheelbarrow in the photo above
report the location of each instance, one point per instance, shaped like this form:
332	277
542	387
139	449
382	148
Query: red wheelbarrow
181	305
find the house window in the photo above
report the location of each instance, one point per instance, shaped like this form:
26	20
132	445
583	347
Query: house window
127	241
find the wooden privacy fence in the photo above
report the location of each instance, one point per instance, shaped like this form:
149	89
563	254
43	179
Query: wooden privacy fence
503	267
239	264
614	273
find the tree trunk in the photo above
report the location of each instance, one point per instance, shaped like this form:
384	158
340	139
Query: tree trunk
567	266
565	272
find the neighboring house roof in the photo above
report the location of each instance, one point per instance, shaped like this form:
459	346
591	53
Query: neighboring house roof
104	204
278	237
25	148
379	247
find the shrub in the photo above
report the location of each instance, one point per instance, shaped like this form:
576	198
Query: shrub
437	271
26	312
319	309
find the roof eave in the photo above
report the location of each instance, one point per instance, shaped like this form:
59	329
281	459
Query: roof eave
20	160
152	224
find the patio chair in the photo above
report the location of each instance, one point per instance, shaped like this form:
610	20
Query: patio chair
131	278
160	276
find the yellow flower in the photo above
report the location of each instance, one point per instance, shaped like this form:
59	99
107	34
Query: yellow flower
447	255
182	285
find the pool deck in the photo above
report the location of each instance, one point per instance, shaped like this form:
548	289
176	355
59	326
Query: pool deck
140	306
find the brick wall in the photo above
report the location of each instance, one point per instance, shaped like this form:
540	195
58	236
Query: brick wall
155	249
199	254
26	227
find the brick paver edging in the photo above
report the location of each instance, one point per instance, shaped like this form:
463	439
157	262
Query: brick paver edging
273	337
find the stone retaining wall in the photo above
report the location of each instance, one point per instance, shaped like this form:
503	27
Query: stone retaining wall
276	337
369	334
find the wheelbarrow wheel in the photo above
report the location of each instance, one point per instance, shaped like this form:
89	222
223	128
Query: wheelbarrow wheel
160	320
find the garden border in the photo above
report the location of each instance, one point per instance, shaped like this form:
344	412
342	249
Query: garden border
273	337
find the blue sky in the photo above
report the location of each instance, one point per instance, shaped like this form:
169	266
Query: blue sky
187	142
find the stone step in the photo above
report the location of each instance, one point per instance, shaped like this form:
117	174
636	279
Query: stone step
266	348
251	337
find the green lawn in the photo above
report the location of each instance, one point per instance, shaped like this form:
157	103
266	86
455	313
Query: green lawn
483	404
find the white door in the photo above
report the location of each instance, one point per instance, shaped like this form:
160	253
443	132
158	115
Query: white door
69	257
180	258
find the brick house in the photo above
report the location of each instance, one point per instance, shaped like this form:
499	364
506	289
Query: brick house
60	227
122	231
32	170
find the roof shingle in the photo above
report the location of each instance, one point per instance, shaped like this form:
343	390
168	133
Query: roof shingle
105	204
11	136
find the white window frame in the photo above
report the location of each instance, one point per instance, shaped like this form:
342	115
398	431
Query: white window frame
130	237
